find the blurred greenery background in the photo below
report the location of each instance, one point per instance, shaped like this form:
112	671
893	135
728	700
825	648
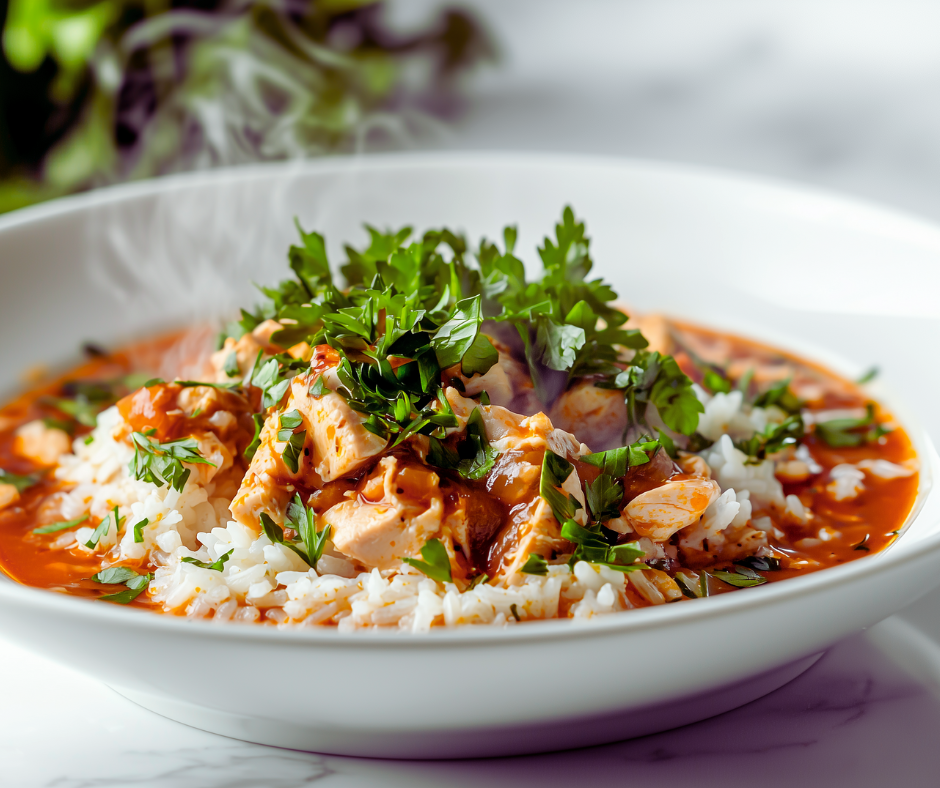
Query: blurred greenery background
99	92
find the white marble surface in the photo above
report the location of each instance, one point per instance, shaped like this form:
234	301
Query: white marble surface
840	93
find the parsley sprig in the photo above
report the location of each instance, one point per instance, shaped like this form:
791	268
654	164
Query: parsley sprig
845	433
162	463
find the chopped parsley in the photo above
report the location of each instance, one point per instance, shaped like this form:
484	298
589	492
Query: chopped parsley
773	438
161	464
535	565
416	306
304	520
60	526
655	379
139	529
252	447
473	458
218	565
846	433
22	482
121	575
744	577
593	547
103	527
288	422
436	563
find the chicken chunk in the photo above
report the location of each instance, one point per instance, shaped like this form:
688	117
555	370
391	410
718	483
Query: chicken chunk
41	444
597	416
660	512
397	508
9	495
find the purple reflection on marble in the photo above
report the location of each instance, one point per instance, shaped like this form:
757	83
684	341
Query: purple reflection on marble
852	719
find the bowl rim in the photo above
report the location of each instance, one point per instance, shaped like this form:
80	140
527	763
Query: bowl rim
641	620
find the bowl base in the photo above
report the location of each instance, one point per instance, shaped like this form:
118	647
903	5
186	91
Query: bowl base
493	741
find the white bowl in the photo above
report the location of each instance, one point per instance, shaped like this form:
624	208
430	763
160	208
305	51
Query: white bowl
117	263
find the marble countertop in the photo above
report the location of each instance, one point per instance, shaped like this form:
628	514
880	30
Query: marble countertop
838	94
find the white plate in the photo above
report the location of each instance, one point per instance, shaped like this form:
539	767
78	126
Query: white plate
739	253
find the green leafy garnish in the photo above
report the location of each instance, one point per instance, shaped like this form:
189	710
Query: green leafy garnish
60	526
761	563
515	611
218	565
318	388
555	471
231	367
690	587
603	496
868	376
781	396
743	578
22	482
594	548
477	581
535	565
252	447
304	520
275	533
122	575
139	529
616	461
844	433
436	563
288	422
716	382
103	527
162	463
654	379
773	438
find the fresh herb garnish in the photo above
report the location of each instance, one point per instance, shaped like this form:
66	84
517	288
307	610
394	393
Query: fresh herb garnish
515	611
231	368
122	575
288	422
103	527
139	529
616	461
478	581
218	565
275	533
304	520
655	379
593	547
60	526
773	438
535	565
436	563
473	458
555	471
780	395
252	447
162	463
318	387
22	482
743	578
868	376
691	587
845	433
760	563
